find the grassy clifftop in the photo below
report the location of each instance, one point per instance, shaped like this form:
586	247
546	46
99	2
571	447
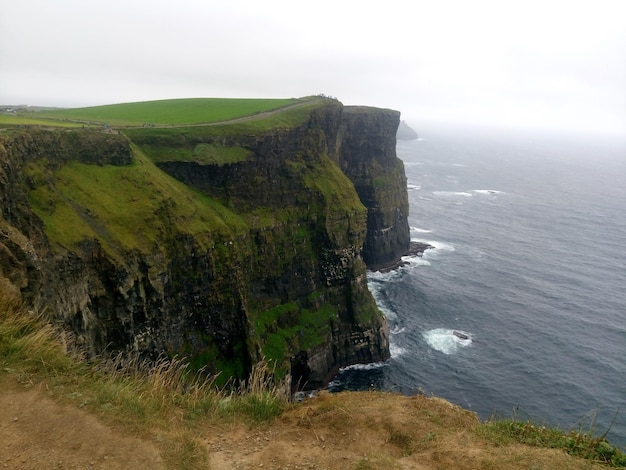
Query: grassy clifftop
169	112
173	112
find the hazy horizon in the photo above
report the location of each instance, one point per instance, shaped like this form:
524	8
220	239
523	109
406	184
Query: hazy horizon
548	65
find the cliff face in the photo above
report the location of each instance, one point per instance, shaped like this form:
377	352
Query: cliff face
368	158
219	244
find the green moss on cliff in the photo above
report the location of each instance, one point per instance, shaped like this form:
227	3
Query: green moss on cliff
288	328
62	223
201	153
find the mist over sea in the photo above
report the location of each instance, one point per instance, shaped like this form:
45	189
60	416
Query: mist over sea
529	262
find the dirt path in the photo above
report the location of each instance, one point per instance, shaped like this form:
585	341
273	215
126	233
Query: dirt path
38	433
334	431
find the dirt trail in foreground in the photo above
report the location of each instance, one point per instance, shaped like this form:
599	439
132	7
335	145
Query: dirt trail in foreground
38	433
334	431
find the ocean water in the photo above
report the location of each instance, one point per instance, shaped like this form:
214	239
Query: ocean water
529	263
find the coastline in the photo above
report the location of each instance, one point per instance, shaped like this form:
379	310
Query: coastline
415	249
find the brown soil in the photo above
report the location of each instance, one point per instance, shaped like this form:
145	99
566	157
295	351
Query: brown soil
38	433
375	431
332	431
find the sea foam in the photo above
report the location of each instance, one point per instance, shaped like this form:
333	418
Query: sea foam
420	230
452	193
444	340
437	246
487	191
370	366
396	350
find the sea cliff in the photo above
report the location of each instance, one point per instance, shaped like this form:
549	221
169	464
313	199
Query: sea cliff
223	244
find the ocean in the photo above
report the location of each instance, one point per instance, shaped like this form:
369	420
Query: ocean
528	266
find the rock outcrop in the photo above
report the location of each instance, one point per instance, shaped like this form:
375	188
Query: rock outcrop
368	158
222	244
406	132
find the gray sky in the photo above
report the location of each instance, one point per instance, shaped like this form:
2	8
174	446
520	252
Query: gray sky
548	63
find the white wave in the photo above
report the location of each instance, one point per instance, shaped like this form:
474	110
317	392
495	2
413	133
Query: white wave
396	330
444	340
373	365
452	193
412	187
420	230
374	288
382	277
377	276
388	313
396	350
332	384
436	246
415	260
487	191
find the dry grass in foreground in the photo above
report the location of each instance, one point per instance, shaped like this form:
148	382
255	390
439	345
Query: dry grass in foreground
59	411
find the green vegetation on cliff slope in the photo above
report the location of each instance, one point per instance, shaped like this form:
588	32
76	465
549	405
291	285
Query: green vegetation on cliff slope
79	201
289	327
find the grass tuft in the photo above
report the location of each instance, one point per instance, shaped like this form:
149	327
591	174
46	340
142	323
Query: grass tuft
259	397
28	343
576	443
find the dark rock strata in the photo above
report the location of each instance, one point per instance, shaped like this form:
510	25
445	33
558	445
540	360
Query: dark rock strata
368	158
282	274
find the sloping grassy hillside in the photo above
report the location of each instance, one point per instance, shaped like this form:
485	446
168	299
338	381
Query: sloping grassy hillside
177	112
10	120
109	203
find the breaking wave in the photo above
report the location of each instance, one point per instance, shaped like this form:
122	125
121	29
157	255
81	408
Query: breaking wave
446	340
452	193
420	230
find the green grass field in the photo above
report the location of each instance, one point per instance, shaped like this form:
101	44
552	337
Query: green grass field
175	112
173	143
9	120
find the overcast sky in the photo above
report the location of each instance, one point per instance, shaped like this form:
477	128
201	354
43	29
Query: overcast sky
548	63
